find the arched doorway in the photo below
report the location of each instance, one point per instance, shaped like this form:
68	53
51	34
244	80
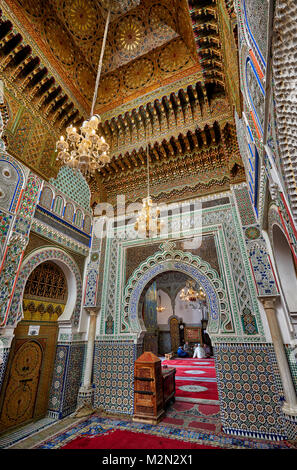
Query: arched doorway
287	270
168	320
219	319
25	391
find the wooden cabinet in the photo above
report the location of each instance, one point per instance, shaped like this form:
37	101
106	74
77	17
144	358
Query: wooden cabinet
148	389
154	388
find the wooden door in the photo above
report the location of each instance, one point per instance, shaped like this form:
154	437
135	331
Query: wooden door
21	391
174	334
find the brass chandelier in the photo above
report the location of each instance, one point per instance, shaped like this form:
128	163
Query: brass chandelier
160	308
189	294
148	223
85	150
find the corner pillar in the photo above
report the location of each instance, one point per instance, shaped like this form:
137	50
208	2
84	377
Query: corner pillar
290	404
86	391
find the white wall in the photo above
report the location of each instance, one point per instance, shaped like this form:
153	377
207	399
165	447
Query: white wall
191	313
184	310
162	317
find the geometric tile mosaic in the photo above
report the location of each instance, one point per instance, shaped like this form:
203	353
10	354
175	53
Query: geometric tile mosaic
72	183
66	379
114	375
250	393
244	205
73	378
57	387
291	352
261	266
5	220
4	354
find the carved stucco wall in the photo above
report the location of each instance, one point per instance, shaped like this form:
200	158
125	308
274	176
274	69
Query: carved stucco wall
252	32
285	83
230	258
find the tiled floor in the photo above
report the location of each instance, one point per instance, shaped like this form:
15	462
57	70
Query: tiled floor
31	434
9	438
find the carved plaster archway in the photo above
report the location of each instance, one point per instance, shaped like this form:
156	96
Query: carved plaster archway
73	277
220	319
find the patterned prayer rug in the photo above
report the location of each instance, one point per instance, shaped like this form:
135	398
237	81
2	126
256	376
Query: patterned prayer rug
193	416
98	427
196	389
194	379
189	362
190	373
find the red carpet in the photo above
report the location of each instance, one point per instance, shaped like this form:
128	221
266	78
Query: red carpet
191	389
194	369
182	415
191	372
189	362
117	439
190	416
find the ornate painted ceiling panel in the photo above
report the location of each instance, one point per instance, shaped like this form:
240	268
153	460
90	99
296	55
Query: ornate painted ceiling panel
169	79
147	45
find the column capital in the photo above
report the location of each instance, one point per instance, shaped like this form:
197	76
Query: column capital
92	311
268	301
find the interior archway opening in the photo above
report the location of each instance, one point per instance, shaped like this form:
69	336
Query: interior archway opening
167	320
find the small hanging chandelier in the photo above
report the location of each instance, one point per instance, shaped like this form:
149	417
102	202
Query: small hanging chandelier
160	308
189	294
85	150
148	223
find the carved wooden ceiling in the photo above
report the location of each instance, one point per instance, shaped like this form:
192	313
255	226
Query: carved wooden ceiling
170	77
148	44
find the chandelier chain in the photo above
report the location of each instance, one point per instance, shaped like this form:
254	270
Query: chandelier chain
100	62
85	150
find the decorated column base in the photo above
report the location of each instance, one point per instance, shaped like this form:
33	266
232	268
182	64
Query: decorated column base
85	401
66	379
291	427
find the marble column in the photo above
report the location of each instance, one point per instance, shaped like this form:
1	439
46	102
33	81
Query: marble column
85	394
290	404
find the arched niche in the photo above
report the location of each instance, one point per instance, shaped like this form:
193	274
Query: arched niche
171	296
78	218
72	308
69	212
46	197
58	206
286	268
87	224
45	293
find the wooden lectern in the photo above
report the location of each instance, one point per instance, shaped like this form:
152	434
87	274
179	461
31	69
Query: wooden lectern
148	389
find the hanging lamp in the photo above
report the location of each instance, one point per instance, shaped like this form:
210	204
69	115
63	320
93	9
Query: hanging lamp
148	223
84	149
